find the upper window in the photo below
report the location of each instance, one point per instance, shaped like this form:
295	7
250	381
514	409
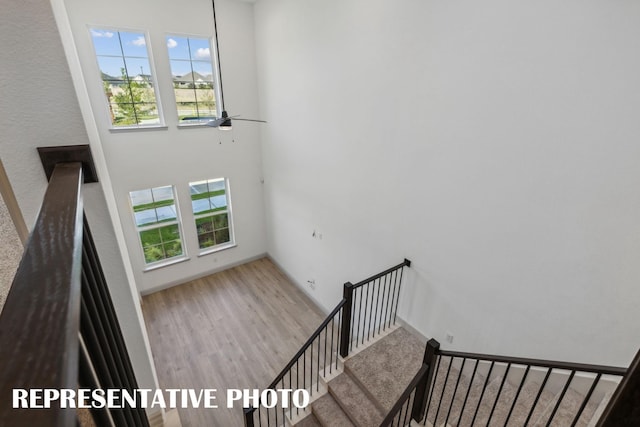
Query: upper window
210	204
127	80
193	78
156	217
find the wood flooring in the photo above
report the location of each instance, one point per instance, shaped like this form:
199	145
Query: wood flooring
233	329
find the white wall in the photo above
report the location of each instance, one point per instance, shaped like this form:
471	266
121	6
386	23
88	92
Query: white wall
493	143
150	158
38	107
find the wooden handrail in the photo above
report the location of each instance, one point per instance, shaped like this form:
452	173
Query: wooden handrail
598	369
59	299
40	320
306	345
404	263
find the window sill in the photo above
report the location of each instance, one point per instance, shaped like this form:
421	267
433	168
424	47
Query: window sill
165	264
209	251
138	128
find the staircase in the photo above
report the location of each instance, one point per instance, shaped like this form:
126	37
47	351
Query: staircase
370	383
372	380
362	369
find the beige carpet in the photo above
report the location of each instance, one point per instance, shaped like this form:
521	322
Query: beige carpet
10	254
387	367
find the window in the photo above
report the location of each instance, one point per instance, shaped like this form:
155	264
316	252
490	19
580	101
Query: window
127	80
156	218
211	209
193	78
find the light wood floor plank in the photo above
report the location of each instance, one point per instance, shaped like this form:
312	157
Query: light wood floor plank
234	329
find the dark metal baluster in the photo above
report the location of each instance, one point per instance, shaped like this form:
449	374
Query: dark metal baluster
290	386
101	365
87	379
455	390
268	418
317	366
391	296
297	380
311	371
564	391
400	413
484	388
388	303
466	397
324	362
495	403
407	405
515	399
353	336
378	305
331	349
282	406
366	313
395	312
359	314
535	402
339	334
444	388
586	399
91	263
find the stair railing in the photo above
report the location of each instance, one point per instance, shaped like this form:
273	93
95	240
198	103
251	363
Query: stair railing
401	413
380	294
411	403
317	356
58	327
367	309
451	377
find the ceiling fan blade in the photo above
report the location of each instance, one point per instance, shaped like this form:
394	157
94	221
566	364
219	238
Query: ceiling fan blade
251	120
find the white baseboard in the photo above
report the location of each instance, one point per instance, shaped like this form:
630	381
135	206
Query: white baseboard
201	275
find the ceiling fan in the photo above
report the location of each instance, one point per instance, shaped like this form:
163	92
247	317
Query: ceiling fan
224	121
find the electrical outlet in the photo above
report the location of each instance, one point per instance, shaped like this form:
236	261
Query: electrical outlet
449	337
312	284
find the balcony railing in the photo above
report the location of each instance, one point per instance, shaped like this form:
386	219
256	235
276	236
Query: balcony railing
58	327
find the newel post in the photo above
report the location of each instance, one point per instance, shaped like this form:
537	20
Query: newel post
248	416
345	328
422	389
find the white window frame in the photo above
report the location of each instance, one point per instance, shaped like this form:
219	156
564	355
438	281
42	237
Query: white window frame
216	77
153	78
177	221
229	211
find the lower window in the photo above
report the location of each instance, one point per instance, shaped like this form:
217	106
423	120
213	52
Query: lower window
211	208
157	220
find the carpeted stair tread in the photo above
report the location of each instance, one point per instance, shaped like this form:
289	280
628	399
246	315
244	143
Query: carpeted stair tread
385	368
309	421
329	414
569	408
467	399
355	403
